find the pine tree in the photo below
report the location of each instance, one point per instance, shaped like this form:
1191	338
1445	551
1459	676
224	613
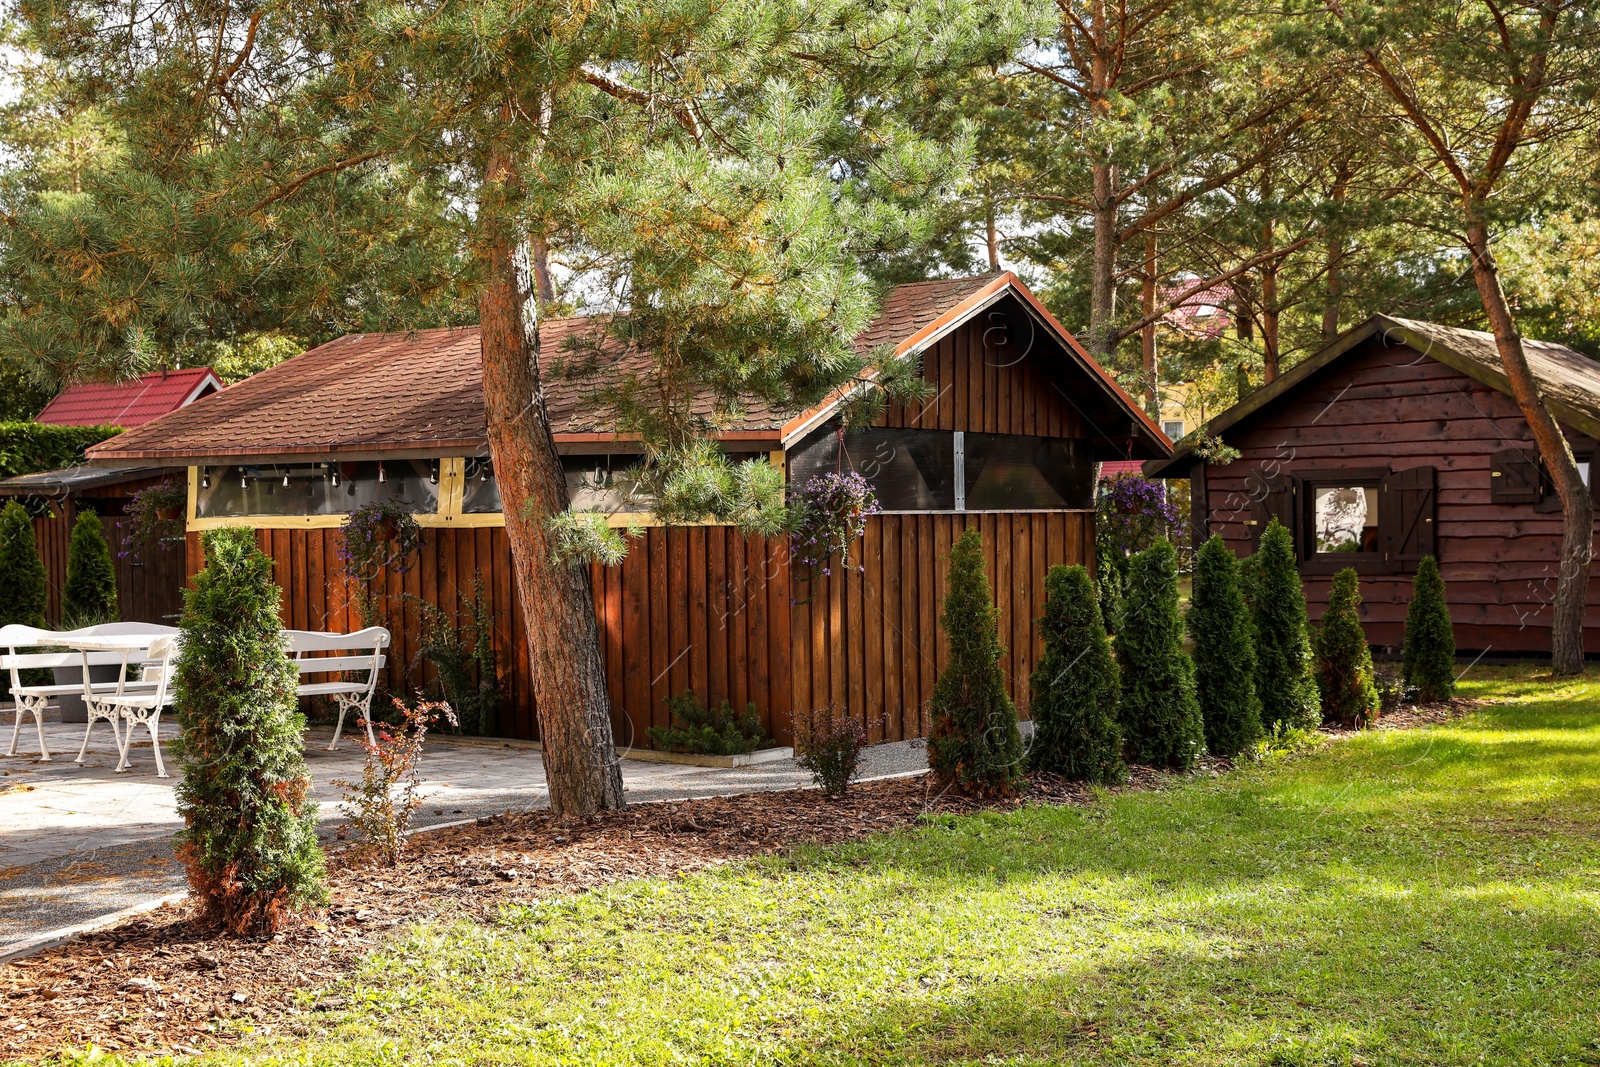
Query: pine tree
1159	712
1284	681
90	593
1344	662
24	585
1430	643
249	839
1224	652
974	743
1075	688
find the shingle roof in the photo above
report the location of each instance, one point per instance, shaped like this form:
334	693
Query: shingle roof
131	403
421	393
1569	380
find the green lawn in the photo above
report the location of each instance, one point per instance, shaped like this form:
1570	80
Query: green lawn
1425	897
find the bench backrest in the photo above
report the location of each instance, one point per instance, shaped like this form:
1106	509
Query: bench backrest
17	636
352	652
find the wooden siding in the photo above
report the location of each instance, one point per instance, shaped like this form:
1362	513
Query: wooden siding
149	588
869	640
979	386
709	609
1397	409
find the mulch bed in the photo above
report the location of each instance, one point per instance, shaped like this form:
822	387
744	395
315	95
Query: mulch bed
165	983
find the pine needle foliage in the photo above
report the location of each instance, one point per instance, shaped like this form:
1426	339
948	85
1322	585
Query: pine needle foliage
974	744
1430	642
249	840
1284	680
1344	662
1075	687
24	585
1224	652
1159	712
90	593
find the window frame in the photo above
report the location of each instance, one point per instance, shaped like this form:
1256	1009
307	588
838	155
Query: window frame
1306	484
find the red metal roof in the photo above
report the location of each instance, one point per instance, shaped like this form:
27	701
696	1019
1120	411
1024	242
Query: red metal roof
131	403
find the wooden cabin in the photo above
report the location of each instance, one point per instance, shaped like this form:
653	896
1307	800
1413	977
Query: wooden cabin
1008	442
1397	441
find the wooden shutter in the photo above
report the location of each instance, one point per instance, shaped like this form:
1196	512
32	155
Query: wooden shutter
1405	517
1515	476
1274	498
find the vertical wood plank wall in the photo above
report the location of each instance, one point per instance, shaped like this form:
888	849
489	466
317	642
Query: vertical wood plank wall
869	640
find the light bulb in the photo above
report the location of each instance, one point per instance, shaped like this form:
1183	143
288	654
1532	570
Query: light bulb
433	472
381	477
286	481
205	479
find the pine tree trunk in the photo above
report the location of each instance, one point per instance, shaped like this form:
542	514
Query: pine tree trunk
1152	366
569	678
1103	271
1577	541
991	240
1333	280
1269	297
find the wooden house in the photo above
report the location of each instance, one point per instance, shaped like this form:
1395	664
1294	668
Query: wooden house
1008	442
1397	441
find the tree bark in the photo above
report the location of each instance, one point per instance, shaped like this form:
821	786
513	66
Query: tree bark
1269	289
1152	366
1103	271
1333	280
1577	541
991	240
569	678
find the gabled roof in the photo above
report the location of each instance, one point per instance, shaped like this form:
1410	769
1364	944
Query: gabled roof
1569	380
130	403
421	393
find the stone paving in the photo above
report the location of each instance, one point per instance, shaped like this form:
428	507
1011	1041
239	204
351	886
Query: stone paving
79	843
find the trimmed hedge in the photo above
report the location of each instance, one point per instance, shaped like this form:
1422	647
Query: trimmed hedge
27	447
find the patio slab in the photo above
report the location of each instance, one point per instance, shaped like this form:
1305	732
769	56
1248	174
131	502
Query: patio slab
81	843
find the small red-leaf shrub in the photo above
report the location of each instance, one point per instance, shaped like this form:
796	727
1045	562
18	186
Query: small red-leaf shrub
830	745
382	803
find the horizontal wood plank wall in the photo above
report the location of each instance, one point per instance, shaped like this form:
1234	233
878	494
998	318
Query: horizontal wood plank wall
703	608
983	386
868	640
1396	409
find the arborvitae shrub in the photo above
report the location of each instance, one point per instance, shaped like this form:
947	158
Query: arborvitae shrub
1224	652
90	593
24	585
249	839
1284	680
1344	662
1159	713
1430	643
1075	687
974	743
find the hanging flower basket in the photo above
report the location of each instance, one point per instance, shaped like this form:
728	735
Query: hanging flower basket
830	514
155	514
378	536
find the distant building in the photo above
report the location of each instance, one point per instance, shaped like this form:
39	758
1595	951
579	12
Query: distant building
1202	316
130	403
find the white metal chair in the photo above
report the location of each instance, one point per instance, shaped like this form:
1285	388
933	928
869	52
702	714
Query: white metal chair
98	711
144	703
353	654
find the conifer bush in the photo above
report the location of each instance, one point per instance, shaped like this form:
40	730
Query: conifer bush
90	593
1224	652
1075	688
974	743
249	840
1429	655
1285	683
1159	712
1344	662
24	585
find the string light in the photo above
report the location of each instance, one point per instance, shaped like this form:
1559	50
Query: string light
381	477
205	478
433	472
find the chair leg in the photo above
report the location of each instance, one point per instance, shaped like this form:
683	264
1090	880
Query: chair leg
89	729
339	729
124	742
83	748
38	723
155	744
12	751
366	717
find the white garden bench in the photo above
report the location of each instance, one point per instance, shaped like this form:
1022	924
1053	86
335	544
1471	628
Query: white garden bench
142	701
349	655
36	699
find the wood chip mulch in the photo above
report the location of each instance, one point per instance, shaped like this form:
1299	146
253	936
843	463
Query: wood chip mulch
165	983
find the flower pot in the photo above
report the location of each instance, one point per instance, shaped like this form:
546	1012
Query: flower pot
72	706
169	514
387	529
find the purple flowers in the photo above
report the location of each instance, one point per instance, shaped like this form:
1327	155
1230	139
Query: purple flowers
1134	511
831	512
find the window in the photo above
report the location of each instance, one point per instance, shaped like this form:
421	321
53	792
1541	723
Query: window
594	483
1173	428
1006	472
910	470
315	488
937	470
1344	518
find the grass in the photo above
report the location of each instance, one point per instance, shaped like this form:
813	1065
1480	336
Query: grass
1419	897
